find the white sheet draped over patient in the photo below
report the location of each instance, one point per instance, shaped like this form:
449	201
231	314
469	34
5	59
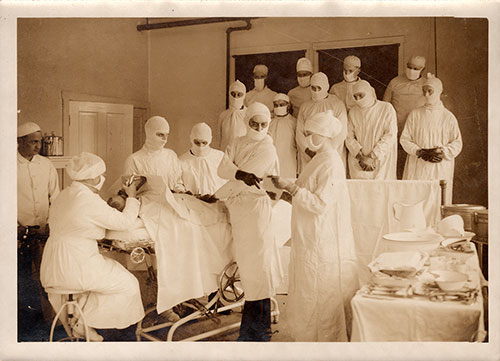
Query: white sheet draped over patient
193	241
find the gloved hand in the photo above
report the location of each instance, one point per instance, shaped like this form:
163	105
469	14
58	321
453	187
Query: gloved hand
208	198
310	153
366	163
271	195
250	179
287	197
282	183
437	154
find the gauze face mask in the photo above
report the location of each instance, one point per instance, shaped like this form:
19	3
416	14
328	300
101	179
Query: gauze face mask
256	135
310	140
281	111
350	77
99	185
304	81
259	84
412	74
200	150
364	102
318	95
236	103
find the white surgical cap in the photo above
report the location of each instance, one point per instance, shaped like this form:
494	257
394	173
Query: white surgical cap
85	166
434	82
27	128
238	86
417	60
320	79
260	69
363	86
352	60
201	131
281	96
156	124
304	64
325	124
257	109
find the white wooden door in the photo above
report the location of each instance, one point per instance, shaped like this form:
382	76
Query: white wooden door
104	129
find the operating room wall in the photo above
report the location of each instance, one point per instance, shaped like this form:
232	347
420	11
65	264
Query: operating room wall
188	64
462	65
105	57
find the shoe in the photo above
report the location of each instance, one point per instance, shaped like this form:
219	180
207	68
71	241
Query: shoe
170	315
79	331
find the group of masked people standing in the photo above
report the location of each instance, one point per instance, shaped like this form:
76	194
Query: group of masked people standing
305	141
409	134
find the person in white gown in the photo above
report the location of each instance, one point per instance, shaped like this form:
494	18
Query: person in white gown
321	102
343	89
261	92
200	163
246	162
154	159
322	273
432	139
404	92
282	130
371	136
71	259
302	92
231	122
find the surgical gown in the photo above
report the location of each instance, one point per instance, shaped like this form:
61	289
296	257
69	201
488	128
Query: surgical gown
231	124
312	107
264	96
322	275
373	129
298	96
429	127
199	173
71	258
163	162
254	242
282	130
343	91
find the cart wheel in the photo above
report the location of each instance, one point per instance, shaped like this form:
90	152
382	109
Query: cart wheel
230	285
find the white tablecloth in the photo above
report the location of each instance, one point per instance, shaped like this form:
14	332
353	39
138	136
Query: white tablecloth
372	213
417	319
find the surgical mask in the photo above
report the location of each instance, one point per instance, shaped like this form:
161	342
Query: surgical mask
310	142
322	94
256	135
412	74
365	102
281	111
432	99
304	81
200	151
236	103
350	77
98	186
259	84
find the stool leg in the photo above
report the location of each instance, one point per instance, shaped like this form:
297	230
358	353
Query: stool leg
70	334
82	318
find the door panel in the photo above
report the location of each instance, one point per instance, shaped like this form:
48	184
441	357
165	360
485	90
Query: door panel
103	129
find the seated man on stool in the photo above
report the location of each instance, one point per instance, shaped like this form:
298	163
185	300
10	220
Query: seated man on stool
37	187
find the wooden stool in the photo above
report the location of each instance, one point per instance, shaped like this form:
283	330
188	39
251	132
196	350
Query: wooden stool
70	305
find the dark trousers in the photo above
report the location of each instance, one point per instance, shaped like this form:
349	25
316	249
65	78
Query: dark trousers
256	321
